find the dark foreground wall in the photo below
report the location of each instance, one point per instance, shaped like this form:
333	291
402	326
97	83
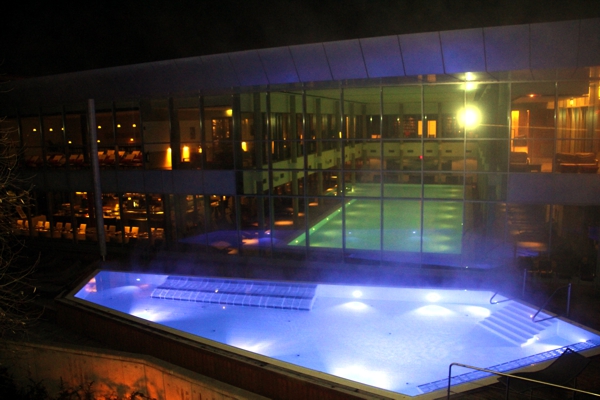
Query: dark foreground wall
245	373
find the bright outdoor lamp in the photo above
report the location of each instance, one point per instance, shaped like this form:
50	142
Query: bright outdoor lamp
469	117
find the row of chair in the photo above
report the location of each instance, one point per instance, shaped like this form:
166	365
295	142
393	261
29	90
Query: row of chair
105	158
65	231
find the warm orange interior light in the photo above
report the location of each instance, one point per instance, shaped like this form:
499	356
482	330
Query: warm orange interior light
185	154
99	127
131	139
118	125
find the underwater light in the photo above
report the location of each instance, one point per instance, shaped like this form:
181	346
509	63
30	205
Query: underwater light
433	297
356	306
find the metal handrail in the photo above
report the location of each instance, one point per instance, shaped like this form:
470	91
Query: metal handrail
550	298
497	302
522	290
511	376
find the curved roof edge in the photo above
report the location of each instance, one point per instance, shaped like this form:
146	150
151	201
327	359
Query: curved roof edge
552	45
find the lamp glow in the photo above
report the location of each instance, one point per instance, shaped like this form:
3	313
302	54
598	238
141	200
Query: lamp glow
469	117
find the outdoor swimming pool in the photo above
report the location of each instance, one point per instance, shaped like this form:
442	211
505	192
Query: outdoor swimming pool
400	340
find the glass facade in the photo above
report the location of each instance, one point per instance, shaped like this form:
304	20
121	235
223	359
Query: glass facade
407	174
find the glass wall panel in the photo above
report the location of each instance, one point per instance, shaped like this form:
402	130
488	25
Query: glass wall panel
575	238
155	231
288	218
128	135
486	121
254	140
532	125
529	228
490	186
577	141
218	131
484	240
157	135
222	234
54	136
134	217
442	227
287	130
362	124
363	224
402	226
105	132
400	148
324	224
323	114
187	118
255	225
76	132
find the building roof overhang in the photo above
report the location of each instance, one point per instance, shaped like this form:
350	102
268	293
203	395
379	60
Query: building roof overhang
485	52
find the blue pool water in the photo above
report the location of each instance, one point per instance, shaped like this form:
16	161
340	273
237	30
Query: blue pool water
400	340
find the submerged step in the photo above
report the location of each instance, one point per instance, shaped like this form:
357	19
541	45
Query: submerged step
513	323
289	296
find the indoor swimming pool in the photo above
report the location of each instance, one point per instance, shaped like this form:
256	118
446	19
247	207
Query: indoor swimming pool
400	341
441	222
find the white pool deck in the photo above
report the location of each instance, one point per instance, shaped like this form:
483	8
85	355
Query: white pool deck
401	340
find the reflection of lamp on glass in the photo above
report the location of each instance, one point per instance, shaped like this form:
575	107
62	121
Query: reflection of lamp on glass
244	146
469	117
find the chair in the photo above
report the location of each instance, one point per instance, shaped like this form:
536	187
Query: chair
111	232
564	370
67	231
81	232
57	232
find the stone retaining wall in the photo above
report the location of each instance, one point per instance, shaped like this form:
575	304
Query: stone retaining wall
112	373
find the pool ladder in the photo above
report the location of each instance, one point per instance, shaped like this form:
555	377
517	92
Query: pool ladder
567	313
501	374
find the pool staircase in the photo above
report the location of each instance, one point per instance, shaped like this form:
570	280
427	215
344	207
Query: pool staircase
514	323
287	296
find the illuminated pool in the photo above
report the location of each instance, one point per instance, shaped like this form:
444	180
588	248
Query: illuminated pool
442	220
400	340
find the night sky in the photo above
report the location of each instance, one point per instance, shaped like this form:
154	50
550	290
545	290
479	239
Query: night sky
44	38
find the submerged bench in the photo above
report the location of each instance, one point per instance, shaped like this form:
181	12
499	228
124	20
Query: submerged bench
238	292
